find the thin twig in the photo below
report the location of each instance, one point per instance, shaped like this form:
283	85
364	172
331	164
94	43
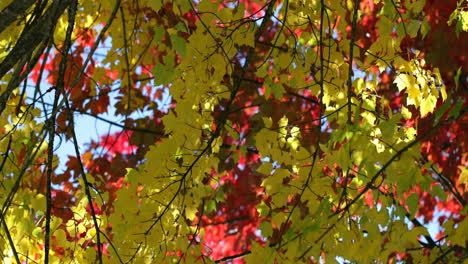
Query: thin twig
2	218
351	57
86	182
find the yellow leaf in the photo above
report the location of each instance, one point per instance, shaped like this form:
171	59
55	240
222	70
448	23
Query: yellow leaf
215	146
154	4
38	202
428	105
405	112
464	20
266	168
267	121
60	236
190	212
267	229
464	176
283	121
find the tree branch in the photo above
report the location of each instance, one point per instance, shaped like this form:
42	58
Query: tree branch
51	125
9	14
31	38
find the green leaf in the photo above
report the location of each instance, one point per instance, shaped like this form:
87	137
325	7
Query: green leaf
452	17
315	227
289	234
277	90
388	10
181	27
417	6
159	33
413	28
219	196
210	206
162	75
169	61
457	78
458	27
37	232
425	28
439	192
179	44
455	112
266	228
131	177
442	110
413	203
262	209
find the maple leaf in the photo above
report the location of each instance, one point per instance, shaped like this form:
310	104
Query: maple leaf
253	131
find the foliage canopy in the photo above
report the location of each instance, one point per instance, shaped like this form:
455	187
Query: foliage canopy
249	131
